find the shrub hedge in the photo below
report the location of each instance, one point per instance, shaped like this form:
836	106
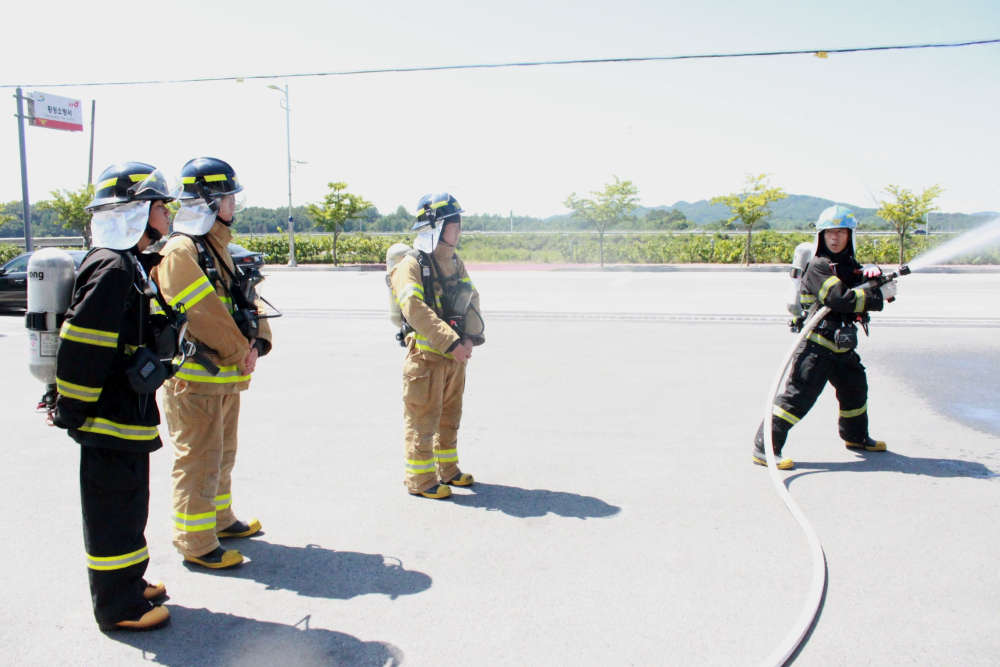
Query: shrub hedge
768	248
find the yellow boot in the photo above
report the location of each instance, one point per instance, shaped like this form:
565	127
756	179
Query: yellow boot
155	618
869	444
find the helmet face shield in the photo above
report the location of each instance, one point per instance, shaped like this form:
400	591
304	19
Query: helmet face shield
157	186
240	201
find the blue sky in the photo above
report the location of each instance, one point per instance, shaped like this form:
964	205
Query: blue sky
523	139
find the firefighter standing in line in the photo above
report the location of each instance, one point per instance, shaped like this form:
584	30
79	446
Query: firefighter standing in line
832	278
202	408
104	328
433	290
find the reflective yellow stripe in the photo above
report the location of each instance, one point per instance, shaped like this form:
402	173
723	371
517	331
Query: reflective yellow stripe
446	456
193	293
117	562
107	183
78	391
787	416
138	177
847	414
827	284
807	298
193	372
208	179
819	340
223	502
193	523
123	431
412	289
89	336
859	299
227	301
419	467
469	280
154	308
425	345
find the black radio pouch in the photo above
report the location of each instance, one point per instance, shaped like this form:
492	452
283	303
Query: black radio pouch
145	372
846	337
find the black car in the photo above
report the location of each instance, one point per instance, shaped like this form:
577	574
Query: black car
14	280
245	258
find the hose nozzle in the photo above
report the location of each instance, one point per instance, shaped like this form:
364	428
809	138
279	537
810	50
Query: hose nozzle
904	270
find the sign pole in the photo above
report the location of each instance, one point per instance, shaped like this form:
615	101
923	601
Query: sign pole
28	244
90	167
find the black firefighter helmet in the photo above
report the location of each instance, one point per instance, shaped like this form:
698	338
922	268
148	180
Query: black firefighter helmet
130	181
437	209
210	179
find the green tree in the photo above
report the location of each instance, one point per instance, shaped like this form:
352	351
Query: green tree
69	209
751	206
907	210
609	208
337	208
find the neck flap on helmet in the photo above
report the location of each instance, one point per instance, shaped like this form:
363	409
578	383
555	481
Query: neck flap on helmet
120	227
195	218
428	238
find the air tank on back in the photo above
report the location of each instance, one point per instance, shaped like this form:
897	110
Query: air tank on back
51	274
803	253
394	256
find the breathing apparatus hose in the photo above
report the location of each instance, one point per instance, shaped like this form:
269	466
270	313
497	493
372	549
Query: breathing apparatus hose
805	620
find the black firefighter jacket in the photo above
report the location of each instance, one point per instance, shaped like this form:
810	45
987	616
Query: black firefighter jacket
100	332
841	286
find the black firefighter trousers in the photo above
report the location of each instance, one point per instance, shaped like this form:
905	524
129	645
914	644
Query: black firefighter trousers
812	369
114	495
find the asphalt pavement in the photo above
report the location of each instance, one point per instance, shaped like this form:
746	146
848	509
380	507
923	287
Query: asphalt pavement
616	518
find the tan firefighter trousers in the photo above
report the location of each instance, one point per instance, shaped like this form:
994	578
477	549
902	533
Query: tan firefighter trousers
432	412
203	432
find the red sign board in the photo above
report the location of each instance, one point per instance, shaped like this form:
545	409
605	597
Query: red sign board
55	113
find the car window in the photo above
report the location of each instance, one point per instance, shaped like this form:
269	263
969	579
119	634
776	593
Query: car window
17	264
237	250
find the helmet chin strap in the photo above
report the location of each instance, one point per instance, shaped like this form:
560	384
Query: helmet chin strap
152	234
227	223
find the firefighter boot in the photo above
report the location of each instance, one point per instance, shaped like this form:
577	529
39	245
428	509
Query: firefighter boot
760	458
869	444
217	559
437	492
154	591
240	529
155	618
461	479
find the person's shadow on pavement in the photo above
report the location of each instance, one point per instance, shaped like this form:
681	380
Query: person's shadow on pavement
524	503
202	638
315	572
893	462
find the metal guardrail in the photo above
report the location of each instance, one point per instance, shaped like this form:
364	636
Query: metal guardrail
48	241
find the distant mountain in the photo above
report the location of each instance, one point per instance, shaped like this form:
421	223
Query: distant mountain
800	212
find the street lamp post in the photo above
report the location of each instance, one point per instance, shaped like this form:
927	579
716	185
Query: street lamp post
288	132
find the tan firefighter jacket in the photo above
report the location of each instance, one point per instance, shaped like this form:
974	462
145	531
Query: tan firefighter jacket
209	309
432	336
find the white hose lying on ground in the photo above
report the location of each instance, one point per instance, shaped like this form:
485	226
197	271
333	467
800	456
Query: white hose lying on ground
794	637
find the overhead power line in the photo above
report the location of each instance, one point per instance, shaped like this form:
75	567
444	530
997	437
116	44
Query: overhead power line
822	53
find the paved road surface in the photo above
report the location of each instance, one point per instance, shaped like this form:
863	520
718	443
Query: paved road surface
617	519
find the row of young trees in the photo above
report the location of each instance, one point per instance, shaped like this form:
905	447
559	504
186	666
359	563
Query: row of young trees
606	209
750	207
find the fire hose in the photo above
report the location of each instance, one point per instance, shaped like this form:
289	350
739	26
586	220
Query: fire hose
794	638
